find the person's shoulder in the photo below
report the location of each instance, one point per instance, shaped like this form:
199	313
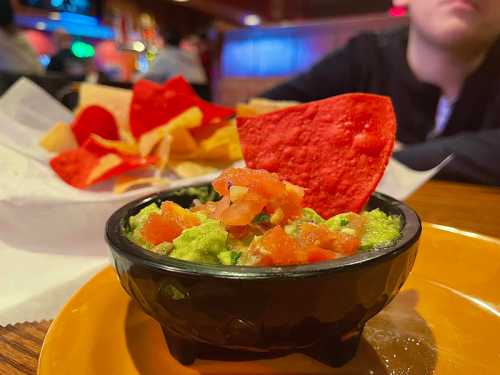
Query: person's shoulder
373	41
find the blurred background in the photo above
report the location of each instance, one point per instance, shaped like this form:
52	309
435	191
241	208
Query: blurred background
231	50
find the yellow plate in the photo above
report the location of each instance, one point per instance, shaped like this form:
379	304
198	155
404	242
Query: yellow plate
446	320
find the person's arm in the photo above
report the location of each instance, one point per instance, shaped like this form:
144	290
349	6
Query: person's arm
476	157
337	73
161	69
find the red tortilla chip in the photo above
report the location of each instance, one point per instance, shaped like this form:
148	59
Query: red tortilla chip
179	85
154	105
76	166
94	119
336	148
100	146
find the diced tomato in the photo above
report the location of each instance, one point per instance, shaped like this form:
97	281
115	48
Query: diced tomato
281	248
207	208
220	207
357	223
169	225
317	254
317	235
161	228
266	184
290	203
243	211
185	218
239	231
346	244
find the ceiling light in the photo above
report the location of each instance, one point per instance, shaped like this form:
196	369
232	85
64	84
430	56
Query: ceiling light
138	46
251	20
40	25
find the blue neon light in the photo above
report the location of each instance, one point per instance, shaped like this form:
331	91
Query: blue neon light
264	56
78	18
74	24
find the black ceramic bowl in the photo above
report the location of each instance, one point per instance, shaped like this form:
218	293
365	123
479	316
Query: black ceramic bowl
232	312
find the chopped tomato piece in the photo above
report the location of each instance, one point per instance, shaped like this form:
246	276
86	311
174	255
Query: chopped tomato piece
346	244
161	228
290	204
281	248
169	225
317	254
266	184
220	207
239	232
207	208
317	235
243	211
357	223
185	218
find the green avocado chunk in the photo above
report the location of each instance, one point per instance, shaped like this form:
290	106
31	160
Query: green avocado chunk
308	216
337	222
202	243
380	229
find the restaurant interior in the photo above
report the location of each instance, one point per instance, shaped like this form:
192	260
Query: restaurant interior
107	106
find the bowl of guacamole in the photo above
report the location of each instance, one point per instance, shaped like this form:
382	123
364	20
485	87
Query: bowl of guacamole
240	269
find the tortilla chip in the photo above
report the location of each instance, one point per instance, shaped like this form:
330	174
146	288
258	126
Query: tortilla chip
104	165
58	138
94	119
124	183
336	148
149	140
190	118
260	106
81	168
183	143
187	169
154	105
116	100
163	153
223	145
186	120
126	136
101	146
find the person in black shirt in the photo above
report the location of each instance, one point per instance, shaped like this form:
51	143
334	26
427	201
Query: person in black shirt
443	75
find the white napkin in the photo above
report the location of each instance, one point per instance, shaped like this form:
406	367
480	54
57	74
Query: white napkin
52	235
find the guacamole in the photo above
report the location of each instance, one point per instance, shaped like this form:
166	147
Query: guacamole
256	219
210	241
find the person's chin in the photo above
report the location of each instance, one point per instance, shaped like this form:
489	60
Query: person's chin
457	31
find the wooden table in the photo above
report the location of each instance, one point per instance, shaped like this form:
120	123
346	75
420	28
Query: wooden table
468	207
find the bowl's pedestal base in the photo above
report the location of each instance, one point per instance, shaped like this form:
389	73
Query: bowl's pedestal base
332	351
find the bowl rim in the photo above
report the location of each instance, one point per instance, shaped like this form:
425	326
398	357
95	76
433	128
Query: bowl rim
410	233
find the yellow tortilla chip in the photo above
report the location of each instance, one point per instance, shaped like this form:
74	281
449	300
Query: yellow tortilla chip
58	138
114	99
186	169
259	106
149	140
120	146
245	110
222	145
163	153
105	164
183	142
190	118
124	183
219	153
126	136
